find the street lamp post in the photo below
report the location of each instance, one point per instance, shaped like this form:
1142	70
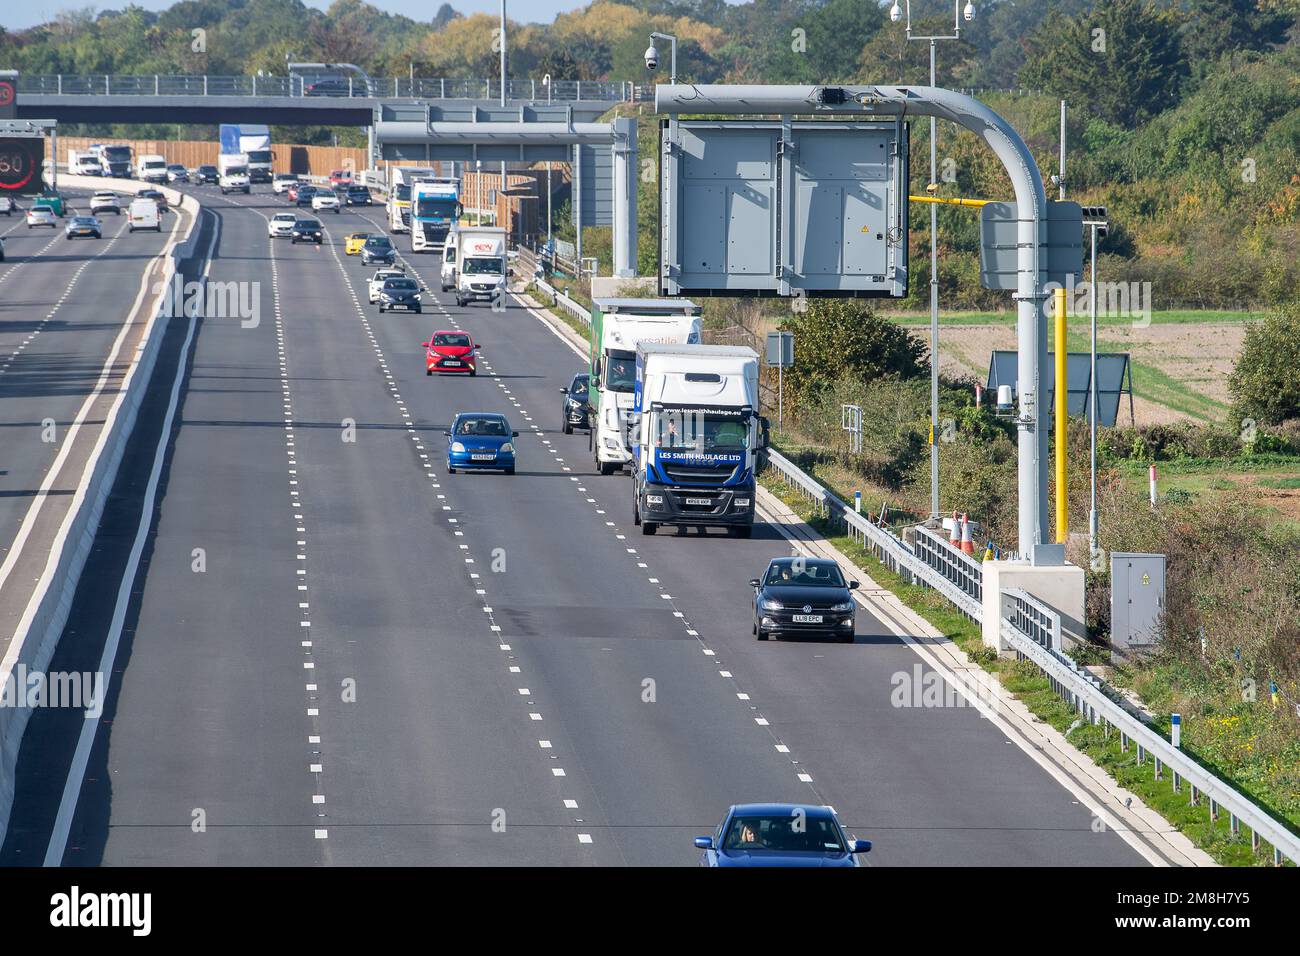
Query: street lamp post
957	13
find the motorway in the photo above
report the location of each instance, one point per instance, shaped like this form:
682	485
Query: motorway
334	652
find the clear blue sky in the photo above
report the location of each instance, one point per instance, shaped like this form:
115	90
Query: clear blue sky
15	15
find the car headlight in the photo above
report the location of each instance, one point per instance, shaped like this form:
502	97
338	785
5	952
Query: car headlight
508	449
654	499
843	606
767	604
457	446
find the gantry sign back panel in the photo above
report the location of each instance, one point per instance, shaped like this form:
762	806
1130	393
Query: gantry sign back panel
783	208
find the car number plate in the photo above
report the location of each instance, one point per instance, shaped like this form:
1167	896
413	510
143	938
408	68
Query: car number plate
807	618
482	457
450	362
699	501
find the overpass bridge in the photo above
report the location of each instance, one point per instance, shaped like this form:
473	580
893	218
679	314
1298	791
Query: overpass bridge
288	100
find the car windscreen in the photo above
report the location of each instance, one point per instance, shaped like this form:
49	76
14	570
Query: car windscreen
83	220
793	832
452	338
307	224
803	574
400	285
378	242
482	426
579	386
481	266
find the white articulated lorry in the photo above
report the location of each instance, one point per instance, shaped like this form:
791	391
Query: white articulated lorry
618	326
480	264
698	437
400	181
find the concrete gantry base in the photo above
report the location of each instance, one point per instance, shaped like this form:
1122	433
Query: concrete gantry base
1059	586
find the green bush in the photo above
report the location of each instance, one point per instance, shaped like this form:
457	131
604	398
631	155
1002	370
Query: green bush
844	338
1265	382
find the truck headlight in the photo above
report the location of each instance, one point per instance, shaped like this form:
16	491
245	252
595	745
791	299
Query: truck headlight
767	604
457	446
654	499
610	443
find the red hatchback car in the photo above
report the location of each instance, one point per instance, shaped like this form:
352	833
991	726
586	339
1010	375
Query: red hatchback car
450	352
340	177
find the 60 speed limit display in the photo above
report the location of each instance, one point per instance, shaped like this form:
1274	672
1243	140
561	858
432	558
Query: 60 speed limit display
20	164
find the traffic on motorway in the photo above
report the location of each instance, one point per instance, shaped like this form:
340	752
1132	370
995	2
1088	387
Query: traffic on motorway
655	428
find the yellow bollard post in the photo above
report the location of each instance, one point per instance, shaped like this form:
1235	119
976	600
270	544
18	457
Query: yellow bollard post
1062	415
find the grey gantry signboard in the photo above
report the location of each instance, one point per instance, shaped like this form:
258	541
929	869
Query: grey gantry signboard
594	178
783	208
1063	247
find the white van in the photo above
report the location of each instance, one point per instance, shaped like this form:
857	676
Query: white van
448	272
151	168
143	214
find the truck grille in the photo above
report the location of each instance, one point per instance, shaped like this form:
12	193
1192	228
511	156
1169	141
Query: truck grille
680	473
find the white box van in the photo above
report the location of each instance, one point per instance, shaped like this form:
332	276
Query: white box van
143	214
481	264
151	168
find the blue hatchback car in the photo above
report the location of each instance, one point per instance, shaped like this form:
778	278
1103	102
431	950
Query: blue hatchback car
780	834
481	440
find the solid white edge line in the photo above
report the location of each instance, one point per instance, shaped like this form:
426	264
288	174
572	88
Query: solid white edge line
77	771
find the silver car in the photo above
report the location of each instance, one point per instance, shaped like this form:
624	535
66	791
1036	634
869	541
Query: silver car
85	227
42	215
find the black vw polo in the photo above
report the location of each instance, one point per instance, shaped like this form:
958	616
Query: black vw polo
801	595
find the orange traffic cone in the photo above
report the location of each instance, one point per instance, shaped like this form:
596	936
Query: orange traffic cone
954	536
967	544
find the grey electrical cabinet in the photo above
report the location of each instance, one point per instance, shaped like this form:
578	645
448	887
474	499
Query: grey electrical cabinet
783	208
1137	603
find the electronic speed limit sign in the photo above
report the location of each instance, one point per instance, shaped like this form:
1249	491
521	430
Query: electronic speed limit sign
8	97
21	159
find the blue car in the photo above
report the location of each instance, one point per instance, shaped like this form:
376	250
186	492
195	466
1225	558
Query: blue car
780	834
481	440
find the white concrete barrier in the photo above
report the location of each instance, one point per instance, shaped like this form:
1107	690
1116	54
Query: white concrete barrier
38	632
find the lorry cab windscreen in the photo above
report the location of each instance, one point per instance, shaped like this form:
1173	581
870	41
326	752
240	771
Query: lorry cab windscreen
434	206
620	370
691	431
